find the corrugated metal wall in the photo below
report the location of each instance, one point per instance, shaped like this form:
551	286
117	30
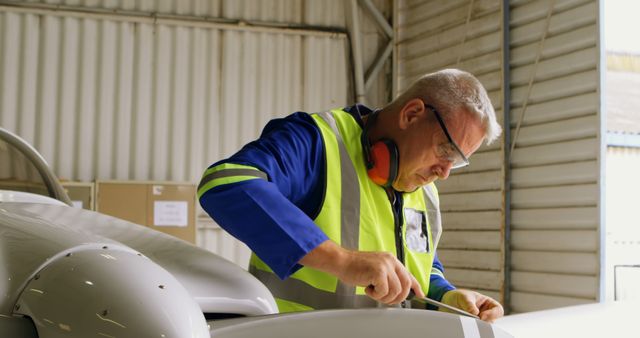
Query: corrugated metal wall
103	99
433	35
119	95
556	163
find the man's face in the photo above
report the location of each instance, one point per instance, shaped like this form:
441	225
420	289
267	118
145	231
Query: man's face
423	145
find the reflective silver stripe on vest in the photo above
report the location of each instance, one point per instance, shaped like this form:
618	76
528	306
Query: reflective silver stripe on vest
349	201
297	291
433	213
230	173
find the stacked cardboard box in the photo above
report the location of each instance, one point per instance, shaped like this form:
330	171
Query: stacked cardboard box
164	206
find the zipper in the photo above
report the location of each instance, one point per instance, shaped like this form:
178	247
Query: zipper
396	207
396	201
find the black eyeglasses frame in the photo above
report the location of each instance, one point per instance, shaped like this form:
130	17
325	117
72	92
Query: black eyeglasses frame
443	126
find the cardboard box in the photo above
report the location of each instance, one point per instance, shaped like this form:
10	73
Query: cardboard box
164	206
82	194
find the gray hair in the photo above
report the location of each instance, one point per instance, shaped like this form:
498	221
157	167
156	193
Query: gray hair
452	90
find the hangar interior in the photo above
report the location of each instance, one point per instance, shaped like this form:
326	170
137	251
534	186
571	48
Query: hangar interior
156	91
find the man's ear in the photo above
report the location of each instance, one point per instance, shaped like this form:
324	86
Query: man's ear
411	112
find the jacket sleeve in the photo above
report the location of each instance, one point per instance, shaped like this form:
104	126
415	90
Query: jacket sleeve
266	194
438	284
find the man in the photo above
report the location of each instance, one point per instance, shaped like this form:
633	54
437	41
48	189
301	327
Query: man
340	208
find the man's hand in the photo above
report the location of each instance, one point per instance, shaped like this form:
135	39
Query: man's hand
475	303
385	278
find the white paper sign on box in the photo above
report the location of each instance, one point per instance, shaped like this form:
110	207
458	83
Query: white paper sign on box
170	213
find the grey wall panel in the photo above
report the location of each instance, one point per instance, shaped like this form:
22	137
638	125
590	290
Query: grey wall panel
555	240
472	220
471	259
447	56
576	128
555	153
478	181
566	42
554	284
529	301
556	196
573	62
488	280
568	173
555	218
470	201
478	65
433	35
428	16
528	11
473	240
567	85
570	16
556	166
556	110
418	44
572	263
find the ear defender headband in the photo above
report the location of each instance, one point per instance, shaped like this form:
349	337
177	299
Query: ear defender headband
380	157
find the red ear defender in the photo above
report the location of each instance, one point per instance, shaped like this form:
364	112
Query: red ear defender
381	158
384	163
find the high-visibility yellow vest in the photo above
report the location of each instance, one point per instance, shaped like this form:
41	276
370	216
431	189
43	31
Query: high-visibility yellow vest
357	214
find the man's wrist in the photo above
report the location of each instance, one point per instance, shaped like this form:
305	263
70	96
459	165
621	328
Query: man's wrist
328	257
448	298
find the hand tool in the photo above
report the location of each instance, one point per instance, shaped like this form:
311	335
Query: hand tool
412	296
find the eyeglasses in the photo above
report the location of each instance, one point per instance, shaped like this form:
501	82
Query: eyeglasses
449	151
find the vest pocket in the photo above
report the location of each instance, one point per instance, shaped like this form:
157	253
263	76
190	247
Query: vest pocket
417	235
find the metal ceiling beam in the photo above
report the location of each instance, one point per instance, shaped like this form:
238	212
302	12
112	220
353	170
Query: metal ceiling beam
373	71
378	17
364	81
383	53
351	8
